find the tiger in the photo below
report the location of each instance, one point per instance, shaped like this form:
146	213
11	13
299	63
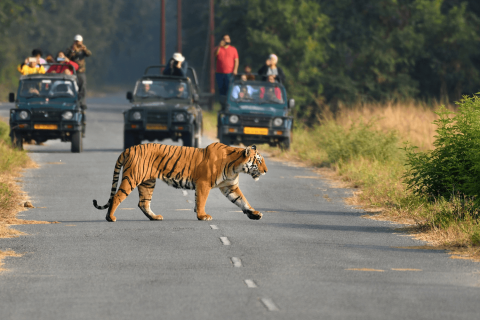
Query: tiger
199	169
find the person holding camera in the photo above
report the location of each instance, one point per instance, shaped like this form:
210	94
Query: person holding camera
177	66
271	68
31	66
65	67
77	53
227	64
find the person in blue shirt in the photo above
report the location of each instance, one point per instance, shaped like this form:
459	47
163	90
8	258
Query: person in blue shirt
243	91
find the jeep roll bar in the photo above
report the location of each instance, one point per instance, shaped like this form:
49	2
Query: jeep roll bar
160	67
61	64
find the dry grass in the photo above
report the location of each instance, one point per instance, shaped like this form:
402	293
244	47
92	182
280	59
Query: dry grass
411	120
12	198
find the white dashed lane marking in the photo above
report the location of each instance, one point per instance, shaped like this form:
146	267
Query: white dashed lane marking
236	262
250	283
225	241
268	303
214	227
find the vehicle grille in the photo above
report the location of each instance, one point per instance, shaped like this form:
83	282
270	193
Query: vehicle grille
157	117
46	115
254	121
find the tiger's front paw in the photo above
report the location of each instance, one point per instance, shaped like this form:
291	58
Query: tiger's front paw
204	217
110	219
255	215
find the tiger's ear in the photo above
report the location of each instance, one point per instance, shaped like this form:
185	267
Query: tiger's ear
247	151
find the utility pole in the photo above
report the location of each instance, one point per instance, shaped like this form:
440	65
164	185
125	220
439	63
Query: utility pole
162	32
179	26
212	47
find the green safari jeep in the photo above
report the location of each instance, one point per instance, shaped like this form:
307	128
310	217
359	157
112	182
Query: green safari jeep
47	107
164	107
255	112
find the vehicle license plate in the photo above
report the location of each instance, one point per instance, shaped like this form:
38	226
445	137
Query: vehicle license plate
45	126
250	130
156	127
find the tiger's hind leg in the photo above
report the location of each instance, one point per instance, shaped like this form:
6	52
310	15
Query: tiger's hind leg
124	190
145	192
235	195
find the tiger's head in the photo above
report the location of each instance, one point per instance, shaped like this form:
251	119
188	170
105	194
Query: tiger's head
254	163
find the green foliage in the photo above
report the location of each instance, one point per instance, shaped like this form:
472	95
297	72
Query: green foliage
4	132
453	167
108	27
359	141
296	31
348	50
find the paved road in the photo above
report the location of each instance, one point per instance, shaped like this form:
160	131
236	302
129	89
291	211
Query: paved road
292	264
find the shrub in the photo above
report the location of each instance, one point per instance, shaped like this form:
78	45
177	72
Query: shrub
452	168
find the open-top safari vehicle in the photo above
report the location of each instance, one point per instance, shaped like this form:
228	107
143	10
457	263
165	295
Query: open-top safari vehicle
164	107
255	112
47	107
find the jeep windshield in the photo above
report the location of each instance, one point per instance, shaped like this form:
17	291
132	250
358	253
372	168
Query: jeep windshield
258	93
47	88
162	89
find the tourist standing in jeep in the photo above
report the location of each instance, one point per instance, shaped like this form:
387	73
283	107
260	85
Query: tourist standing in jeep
77	53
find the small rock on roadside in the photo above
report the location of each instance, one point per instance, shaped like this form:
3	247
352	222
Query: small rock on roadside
28	204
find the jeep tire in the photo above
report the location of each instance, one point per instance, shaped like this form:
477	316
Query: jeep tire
188	139
77	142
130	140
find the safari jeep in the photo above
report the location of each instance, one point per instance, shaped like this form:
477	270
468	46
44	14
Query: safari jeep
164	107
255	112
47	107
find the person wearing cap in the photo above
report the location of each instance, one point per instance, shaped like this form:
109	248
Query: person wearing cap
177	66
31	66
77	53
271	68
227	64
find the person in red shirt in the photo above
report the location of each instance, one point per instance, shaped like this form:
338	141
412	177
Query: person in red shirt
271	93
61	58
227	64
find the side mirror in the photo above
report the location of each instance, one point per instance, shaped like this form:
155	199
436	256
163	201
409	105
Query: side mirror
129	96
291	103
11	97
196	97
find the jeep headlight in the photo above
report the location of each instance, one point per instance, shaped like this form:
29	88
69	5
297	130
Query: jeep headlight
277	122
180	117
23	115
136	115
233	119
67	115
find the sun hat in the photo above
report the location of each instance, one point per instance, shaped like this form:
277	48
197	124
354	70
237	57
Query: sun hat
274	57
178	57
78	38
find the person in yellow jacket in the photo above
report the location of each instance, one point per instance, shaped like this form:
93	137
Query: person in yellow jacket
31	67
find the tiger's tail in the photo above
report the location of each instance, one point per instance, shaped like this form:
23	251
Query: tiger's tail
116	174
